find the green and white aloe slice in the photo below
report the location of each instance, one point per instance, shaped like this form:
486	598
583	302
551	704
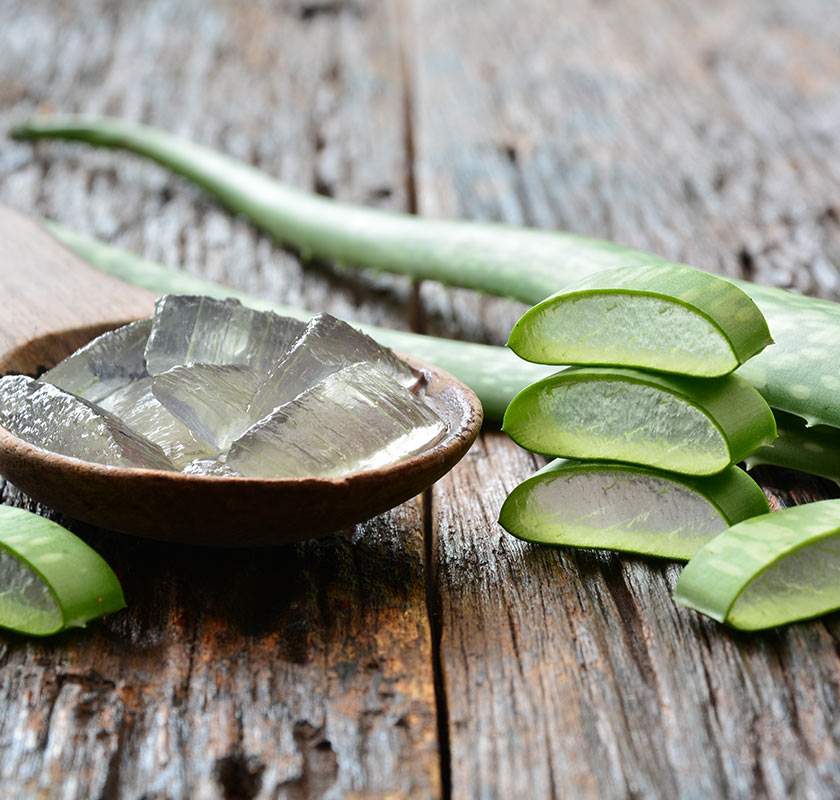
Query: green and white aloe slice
768	570
694	426
662	317
50	579
629	508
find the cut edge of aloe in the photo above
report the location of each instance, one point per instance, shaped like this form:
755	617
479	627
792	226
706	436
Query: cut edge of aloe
756	563
732	494
732	407
80	582
731	328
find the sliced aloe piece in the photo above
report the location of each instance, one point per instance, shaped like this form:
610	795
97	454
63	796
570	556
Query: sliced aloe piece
629	508
663	317
50	579
768	570
694	426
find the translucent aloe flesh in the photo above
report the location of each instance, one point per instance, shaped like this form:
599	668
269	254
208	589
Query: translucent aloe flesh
661	317
355	419
693	426
204	330
798	375
325	346
107	363
628	508
50	418
50	579
495	374
335	401
211	400
136	405
769	570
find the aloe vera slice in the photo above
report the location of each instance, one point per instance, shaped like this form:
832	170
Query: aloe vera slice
768	570
50	579
695	426
663	317
495	374
628	508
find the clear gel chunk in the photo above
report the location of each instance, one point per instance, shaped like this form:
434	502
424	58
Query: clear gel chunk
354	419
47	417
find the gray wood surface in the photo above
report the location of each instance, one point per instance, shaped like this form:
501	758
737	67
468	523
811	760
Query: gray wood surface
427	653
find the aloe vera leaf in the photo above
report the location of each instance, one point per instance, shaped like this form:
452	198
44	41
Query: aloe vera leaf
629	508
663	317
769	570
50	579
815	449
798	375
694	426
495	374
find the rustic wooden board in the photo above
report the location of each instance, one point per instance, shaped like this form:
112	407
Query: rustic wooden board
698	133
299	672
705	134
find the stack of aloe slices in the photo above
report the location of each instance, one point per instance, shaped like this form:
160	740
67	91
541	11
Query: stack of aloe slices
650	422
656	474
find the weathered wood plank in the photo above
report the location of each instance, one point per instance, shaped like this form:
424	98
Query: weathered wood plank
573	673
700	135
704	134
292	673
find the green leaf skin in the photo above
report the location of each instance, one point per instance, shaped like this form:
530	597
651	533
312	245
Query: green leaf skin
798	375
80	586
694	426
663	317
768	570
628	508
495	374
815	450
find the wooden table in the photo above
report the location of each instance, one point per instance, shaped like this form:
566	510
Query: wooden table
427	653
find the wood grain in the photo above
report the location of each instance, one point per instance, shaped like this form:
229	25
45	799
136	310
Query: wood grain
300	672
665	128
703	132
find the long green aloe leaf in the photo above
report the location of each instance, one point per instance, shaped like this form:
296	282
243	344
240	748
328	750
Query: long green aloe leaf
769	570
694	426
628	508
50	579
662	317
798	375
494	373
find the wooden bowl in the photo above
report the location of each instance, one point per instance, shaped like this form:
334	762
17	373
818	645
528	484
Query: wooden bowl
61	303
